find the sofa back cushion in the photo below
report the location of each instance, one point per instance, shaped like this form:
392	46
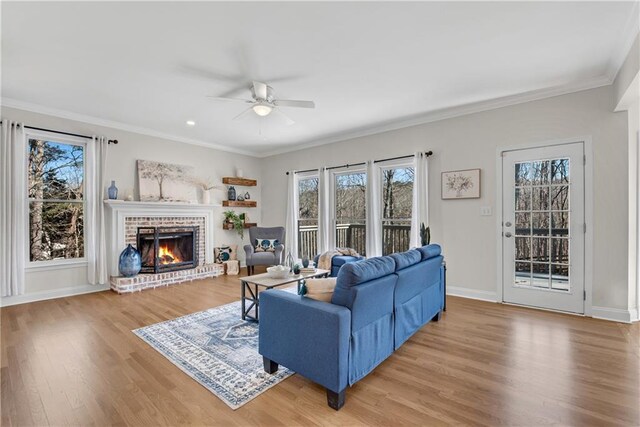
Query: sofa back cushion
406	259
430	251
355	273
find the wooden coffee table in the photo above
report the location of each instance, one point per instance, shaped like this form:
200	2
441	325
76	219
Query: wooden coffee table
251	285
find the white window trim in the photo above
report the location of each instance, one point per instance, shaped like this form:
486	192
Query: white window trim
88	197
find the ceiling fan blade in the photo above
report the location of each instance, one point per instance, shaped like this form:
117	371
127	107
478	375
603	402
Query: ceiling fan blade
280	114
260	89
244	113
294	103
223	98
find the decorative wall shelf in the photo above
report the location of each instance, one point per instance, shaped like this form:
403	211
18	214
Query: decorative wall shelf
229	225
239	204
244	182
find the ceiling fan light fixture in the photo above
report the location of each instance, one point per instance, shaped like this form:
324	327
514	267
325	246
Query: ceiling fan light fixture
262	109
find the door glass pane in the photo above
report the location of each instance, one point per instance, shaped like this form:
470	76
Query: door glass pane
540	275
560	250
539	172
523	224
560	198
560	224
523	274
540	223
541	203
523	248
540	199
540	249
560	277
523	199
560	171
350	210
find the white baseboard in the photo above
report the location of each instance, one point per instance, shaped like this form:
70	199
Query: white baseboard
634	314
51	294
614	314
472	293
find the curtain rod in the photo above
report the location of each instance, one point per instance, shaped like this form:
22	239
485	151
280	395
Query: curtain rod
111	141
306	170
427	153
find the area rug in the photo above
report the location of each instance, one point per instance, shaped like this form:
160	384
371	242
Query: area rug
218	349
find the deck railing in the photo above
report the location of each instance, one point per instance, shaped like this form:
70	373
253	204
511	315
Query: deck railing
395	238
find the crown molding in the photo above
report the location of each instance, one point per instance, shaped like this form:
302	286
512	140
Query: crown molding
429	117
448	113
629	32
55	112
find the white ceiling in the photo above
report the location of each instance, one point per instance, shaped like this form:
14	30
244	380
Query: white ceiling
148	66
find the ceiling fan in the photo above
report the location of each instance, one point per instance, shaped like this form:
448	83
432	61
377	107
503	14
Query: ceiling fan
264	102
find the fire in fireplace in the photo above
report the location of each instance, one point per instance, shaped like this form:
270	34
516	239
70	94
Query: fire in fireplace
167	248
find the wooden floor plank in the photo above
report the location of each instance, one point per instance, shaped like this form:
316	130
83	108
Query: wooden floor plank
75	361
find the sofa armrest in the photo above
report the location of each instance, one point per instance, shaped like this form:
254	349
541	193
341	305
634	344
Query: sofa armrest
307	336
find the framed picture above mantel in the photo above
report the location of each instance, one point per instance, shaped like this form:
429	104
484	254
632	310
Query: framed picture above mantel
461	184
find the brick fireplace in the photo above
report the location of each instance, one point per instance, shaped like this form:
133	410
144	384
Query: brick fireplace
175	240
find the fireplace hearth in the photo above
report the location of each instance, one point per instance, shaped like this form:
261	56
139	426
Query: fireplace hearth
166	249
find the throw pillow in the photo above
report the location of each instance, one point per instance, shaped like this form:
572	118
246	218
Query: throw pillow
266	245
320	289
224	253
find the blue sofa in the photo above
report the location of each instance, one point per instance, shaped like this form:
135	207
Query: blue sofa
376	306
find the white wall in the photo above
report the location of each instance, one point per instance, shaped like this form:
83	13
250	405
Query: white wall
121	167
468	239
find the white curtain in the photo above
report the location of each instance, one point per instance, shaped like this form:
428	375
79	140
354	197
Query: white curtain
291	226
13	193
325	229
374	221
96	245
420	197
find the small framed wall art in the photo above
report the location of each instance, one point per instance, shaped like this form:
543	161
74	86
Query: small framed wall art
463	184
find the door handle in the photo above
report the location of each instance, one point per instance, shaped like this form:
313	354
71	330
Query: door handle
507	234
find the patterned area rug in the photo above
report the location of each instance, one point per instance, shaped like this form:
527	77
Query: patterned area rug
218	349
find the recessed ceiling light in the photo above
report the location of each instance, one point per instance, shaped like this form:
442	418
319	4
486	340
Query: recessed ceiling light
191	123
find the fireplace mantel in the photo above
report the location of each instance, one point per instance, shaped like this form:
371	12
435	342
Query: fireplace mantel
119	210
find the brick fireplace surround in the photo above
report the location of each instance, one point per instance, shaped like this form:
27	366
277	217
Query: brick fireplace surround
123	220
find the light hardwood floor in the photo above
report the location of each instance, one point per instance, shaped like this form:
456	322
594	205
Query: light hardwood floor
74	361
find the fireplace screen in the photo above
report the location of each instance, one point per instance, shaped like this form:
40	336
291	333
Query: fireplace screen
167	248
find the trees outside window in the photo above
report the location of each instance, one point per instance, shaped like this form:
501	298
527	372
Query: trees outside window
350	210
307	216
397	202
56	200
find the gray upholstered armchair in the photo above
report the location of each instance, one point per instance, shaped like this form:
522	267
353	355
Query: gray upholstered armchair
264	258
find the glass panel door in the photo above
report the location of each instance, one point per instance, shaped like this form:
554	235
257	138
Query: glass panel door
543	236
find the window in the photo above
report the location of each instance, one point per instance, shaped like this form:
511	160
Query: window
350	210
56	198
307	216
397	202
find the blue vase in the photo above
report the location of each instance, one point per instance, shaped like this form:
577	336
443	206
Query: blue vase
231	193
130	262
112	191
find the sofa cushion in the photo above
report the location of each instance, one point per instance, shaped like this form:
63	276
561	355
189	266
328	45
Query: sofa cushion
406	259
354	273
320	289
430	251
339	260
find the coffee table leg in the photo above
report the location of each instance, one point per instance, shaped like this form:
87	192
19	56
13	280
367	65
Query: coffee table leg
243	294
257	297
